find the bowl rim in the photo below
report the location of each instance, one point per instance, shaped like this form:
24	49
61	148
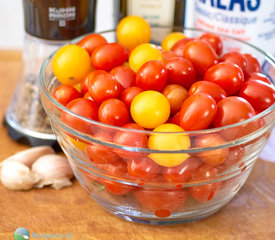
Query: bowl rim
150	132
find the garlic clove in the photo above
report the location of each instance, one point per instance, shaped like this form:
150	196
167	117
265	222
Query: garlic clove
16	176
30	155
53	170
61	183
57	184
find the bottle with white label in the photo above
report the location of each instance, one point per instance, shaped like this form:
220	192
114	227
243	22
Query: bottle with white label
252	21
156	12
249	20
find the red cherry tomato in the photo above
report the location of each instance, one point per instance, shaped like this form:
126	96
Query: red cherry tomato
90	177
84	85
91	41
117	169
259	94
99	153
197	112
87	96
114	112
131	139
179	46
236	58
65	93
235	155
259	76
201	55
109	56
143	168
252	66
83	107
85	82
176	95
212	157
180	71
175	119
167	54
205	192
103	86
182	172
227	75
232	110
214	40
124	75
152	75
129	94
116	188
213	89
161	202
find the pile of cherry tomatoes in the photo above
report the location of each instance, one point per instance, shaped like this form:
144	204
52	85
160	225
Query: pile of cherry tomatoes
186	84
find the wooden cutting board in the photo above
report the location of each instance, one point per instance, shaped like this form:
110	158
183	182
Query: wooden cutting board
249	216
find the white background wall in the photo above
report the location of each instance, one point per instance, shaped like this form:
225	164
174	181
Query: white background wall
11	20
11	24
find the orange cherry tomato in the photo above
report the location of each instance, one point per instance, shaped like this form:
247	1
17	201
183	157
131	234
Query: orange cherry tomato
176	95
212	157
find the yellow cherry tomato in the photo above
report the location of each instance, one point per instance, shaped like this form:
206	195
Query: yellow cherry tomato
77	143
144	53
77	87
169	41
149	109
169	141
132	31
71	64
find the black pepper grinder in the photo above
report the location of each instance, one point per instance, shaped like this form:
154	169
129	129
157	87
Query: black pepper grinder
48	25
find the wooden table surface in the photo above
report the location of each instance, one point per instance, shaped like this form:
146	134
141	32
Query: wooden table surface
250	215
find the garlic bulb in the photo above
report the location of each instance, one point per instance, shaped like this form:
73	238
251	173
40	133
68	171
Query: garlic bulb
16	176
30	155
53	170
47	169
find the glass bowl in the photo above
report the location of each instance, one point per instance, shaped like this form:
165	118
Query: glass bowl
156	195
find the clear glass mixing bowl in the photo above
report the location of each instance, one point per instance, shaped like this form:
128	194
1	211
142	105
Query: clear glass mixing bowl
155	200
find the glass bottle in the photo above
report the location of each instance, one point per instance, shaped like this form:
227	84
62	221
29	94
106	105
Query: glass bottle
156	12
252	21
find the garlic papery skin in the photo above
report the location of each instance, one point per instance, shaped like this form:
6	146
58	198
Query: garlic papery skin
30	155
53	170
61	183
16	176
